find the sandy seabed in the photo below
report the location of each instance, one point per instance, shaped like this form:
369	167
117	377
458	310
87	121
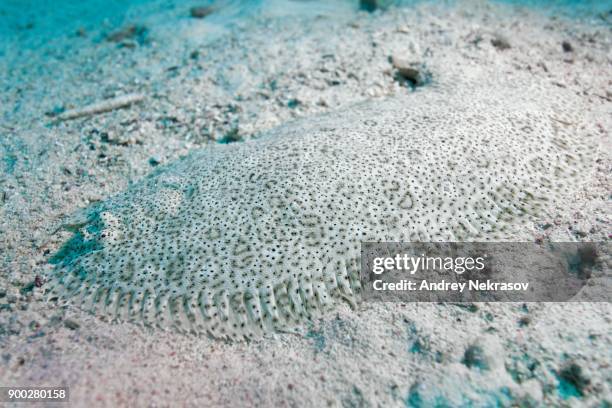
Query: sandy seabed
226	77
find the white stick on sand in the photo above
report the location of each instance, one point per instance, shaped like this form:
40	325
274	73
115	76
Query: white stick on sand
101	107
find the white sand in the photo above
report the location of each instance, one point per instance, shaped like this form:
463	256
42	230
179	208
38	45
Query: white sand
252	76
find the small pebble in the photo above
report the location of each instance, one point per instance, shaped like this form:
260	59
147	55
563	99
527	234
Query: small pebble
567	47
58	109
474	357
369	5
580	233
200	12
129	32
71	324
524	321
485	354
500	43
408	70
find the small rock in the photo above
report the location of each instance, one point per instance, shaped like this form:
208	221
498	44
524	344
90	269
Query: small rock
71	324
127	44
580	233
411	71
131	31
119	138
57	110
403	29
486	354
233	135
200	12
369	5
474	357
567	47
2	293
154	161
524	321
470	307
500	43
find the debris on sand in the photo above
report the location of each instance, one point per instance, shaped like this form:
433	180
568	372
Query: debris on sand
485	354
373	5
230	137
101	107
500	43
200	12
368	5
474	357
130	32
409	70
567	46
71	324
154	161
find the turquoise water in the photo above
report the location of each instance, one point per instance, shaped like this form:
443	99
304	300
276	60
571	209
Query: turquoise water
596	6
34	22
